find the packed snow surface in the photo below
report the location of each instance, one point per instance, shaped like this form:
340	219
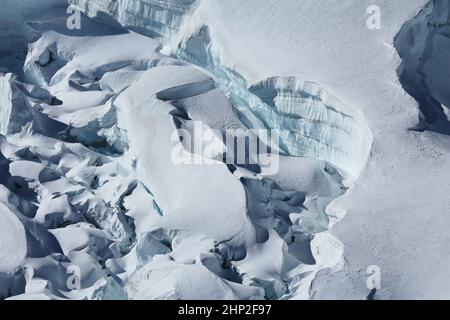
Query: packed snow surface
102	196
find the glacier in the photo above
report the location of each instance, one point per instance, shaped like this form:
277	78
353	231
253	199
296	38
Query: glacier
348	150
92	205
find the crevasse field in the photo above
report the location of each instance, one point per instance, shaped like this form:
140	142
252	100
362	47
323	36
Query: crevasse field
102	195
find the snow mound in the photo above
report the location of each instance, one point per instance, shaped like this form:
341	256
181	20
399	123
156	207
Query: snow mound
165	279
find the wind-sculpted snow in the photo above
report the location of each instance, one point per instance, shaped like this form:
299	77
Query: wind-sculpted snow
423	43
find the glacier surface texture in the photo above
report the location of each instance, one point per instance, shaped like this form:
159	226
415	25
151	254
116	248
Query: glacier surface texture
102	196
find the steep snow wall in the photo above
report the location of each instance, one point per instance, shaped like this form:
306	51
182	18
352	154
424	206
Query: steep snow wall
313	123
14	112
423	43
11	231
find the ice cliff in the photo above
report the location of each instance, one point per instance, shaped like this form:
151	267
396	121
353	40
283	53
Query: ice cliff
89	187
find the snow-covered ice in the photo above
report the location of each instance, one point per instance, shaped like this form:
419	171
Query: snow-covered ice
93	205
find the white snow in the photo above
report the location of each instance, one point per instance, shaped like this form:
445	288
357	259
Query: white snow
13	244
90	121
